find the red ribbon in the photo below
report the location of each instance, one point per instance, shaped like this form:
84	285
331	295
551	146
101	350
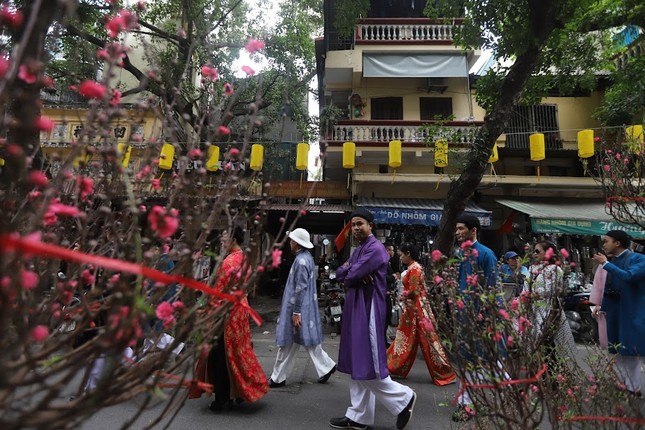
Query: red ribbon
36	247
537	376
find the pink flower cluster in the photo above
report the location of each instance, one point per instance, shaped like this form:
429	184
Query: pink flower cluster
164	223
210	73
123	21
165	312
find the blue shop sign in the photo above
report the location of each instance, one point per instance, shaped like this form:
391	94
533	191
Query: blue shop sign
418	216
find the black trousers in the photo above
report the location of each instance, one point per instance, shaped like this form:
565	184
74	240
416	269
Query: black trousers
218	372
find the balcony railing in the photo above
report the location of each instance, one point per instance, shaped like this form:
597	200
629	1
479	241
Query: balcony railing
394	30
461	132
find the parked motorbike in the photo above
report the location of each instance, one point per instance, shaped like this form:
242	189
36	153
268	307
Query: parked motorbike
577	309
334	301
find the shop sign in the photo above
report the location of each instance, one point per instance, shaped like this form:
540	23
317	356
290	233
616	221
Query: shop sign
417	216
583	227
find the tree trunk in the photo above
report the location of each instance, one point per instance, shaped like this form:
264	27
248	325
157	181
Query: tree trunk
543	20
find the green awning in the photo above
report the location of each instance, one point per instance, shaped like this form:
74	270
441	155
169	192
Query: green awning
578	217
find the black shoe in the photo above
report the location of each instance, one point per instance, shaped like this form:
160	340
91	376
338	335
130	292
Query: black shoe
326	377
634	393
462	414
404	416
273	384
346	423
216	406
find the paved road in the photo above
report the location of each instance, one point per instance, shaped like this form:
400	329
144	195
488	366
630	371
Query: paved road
302	403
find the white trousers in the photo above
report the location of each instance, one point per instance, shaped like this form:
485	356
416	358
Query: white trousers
629	370
478	377
286	359
392	395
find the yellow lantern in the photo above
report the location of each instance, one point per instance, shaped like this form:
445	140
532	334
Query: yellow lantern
82	159
585	144
349	155
395	154
257	157
167	156
1	162
213	158
635	132
441	153
302	156
536	145
124	150
494	155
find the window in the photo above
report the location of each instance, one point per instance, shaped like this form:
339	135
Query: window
387	108
533	119
432	107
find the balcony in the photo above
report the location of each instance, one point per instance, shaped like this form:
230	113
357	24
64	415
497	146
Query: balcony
406	30
461	132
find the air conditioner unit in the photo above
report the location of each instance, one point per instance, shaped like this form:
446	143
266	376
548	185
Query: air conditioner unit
437	85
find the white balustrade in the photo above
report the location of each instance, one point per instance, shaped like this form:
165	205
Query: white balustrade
403	32
405	133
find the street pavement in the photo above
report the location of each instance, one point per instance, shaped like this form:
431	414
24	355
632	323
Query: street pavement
302	404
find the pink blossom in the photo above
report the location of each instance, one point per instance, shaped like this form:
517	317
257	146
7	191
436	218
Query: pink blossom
115	278
85	186
164	223
26	75
178	305
523	324
38	178
92	90
474	252
560	378
564	253
64	210
254	45
39	333
460	304
276	258
472	280
510	341
228	89
28	279
88	277
210	72
195	153
515	304
44	123
123	21
234	152
497	337
436	255
606	167
548	254
502	313
438	280
260	269
573	264
223	130
249	71
116	98
156	183
13	18
618	156
164	311
466	244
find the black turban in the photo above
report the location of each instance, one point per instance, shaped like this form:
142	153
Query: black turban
619	235
362	213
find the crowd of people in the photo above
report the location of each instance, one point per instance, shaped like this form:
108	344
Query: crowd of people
370	281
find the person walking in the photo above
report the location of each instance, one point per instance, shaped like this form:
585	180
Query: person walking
476	260
546	283
362	352
624	306
417	327
391	279
231	365
299	320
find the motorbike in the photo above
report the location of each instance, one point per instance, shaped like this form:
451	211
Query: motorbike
577	309
334	301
